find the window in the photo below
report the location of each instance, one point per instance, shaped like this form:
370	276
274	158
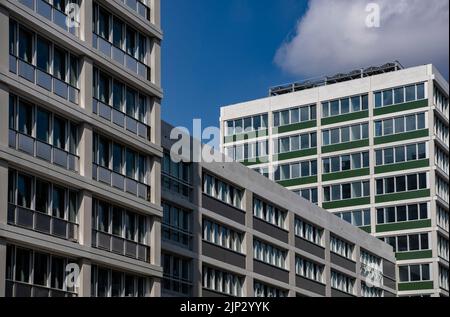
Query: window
269	213
344	106
295	115
401	154
255	123
262	290
25	114
40	271
292	143
310	194
408	243
442	217
269	254
25	45
222	235
398	95
341	135
222	282
176	177
414	273
397	184
309	269
109	283
43	60
400	125
308	231
225	192
345	162
177	225
177	275
341	247
296	170
346	191
358	218
342	282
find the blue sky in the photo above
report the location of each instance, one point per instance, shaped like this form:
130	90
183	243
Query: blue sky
219	52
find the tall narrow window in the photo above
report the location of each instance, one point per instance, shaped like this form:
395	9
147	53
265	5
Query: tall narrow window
117	158
103	217
103	24
131	102
59	63
22	265
25	118
59	133
57	273
26	46
73	206
40	275
74	71
42	196
43	55
131	164
103	87
103	152
59	202
142	47
12	37
130	226
42	125
73	140
131	41
142	108
118	95
118	33
117	221
24	191
12	114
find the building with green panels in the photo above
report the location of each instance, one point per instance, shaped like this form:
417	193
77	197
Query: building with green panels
371	147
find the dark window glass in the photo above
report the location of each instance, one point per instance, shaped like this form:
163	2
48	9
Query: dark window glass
387	98
116	284
59	64
424	211
12	37
42	196
346	191
40	269
11	114
131	41
11	189
401	214
43	55
103	24
73	141
117	221
104	93
424	245
25	46
73	206
389	185
24	191
413	213
410	93
422	151
42	125
103	216
142	47
425	272
414	242
345	106
59	202
103	149
25	118
346	165
118	33
390	215
402	243
131	102
130	226
420	91
379	157
380	216
380	187
404	274
422	181
400	184
411	151
389	156
73	71
117	158
399	95
129	286
412	182
59	133
400	154
415	273
130	163
22	265
102	283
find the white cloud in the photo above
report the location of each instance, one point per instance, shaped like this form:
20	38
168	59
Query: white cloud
333	37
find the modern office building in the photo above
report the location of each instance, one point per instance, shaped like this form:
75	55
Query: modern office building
80	148
229	231
371	147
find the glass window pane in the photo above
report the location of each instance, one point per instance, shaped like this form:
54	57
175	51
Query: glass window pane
356	104
59	63
389	156
24	191
400	154
22	265
118	33
25	118
387	98
335	108
400	184
345	106
131	102
388	127
59	202
42	125
378	100
420	121
43	55
356	132
420	91
130	163
422	151
411	123
59	133
401	214
410	92
345	135
400	125
25	45
40	276
42	196
346	163
399	95
335	136
131	41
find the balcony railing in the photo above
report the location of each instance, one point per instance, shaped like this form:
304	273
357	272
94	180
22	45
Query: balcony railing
120	181
121	119
122	57
52	14
20	289
43	79
43	223
138	6
177	236
121	246
43	150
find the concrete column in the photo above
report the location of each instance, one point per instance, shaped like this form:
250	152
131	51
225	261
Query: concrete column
4	40
155	181
155	290
86	13
155	62
248	243
358	271
155	8
291	257
86	80
155	121
197	229
85	278
3	192
327	270
155	246
85	218
2	268
4	115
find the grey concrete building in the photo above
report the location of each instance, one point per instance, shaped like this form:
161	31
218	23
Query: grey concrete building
370	146
229	231
80	147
